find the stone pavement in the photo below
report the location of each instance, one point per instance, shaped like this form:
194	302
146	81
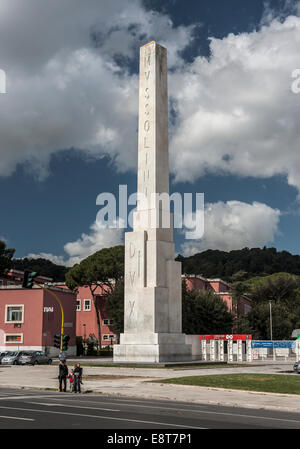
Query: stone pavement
136	383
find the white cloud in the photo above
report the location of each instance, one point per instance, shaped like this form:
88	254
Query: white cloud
86	245
235	225
64	88
236	113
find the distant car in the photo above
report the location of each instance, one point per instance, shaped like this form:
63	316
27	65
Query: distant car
35	358
12	357
297	367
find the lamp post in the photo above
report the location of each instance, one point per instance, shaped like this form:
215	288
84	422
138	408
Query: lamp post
271	325
271	329
84	337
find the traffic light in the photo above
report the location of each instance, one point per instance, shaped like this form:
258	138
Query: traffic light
29	278
65	339
57	340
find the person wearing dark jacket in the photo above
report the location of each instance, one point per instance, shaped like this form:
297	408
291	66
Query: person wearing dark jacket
62	376
77	378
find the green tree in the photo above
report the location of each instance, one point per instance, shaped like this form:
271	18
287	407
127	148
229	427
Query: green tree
6	255
104	268
282	289
115	307
204	312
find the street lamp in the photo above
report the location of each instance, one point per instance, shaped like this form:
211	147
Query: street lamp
84	338
271	325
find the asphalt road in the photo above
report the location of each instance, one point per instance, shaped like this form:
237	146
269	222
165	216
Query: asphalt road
29	409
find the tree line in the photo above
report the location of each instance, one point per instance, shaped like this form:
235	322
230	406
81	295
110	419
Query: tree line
240	264
203	312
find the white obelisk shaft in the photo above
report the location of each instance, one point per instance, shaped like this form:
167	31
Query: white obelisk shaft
152	317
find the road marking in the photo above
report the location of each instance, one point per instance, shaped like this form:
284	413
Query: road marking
194	410
104	417
73	406
16	417
23	397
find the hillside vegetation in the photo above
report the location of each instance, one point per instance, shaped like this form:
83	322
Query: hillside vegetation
239	265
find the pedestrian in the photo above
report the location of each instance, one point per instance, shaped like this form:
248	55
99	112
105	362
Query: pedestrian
71	379
77	378
63	372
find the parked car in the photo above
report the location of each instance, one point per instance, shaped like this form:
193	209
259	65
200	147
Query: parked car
35	358
12	357
2	354
297	367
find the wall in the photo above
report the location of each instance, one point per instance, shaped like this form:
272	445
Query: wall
31	328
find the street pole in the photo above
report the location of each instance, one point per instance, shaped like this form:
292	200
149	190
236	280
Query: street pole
271	330
61	308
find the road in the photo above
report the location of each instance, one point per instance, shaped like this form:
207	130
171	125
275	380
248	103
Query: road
28	409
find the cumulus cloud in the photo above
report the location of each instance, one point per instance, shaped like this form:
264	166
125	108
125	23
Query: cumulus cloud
236	112
235	225
97	239
67	86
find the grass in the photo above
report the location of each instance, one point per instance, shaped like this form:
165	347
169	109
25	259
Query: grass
271	383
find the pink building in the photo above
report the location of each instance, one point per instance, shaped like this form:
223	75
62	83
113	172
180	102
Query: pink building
86	318
29	319
221	288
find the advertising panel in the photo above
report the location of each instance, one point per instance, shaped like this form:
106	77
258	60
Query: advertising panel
272	344
227	337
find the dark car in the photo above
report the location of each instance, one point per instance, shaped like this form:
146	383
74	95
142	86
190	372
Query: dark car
35	358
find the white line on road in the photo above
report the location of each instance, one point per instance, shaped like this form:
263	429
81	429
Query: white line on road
103	417
16	417
73	406
193	411
23	397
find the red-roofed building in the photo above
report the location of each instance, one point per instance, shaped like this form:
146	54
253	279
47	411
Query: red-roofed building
219	287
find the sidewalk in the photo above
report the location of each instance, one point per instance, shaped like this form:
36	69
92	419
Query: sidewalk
136	383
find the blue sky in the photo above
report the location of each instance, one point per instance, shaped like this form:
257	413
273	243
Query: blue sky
69	119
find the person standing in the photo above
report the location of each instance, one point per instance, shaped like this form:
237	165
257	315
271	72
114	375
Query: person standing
77	378
63	372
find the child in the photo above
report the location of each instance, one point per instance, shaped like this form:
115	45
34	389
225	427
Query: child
71	379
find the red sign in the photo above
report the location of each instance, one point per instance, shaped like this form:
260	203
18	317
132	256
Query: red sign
227	337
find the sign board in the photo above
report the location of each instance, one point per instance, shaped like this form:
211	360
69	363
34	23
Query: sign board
272	344
62	356
227	337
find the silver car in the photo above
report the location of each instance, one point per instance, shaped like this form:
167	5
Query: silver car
35	358
296	367
12	357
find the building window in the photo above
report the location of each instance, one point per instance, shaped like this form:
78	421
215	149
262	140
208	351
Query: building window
14	338
107	322
14	314
87	305
108	337
78	305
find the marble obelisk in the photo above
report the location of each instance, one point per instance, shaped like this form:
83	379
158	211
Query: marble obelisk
152	316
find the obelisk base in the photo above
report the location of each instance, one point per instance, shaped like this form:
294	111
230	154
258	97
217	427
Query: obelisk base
152	348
